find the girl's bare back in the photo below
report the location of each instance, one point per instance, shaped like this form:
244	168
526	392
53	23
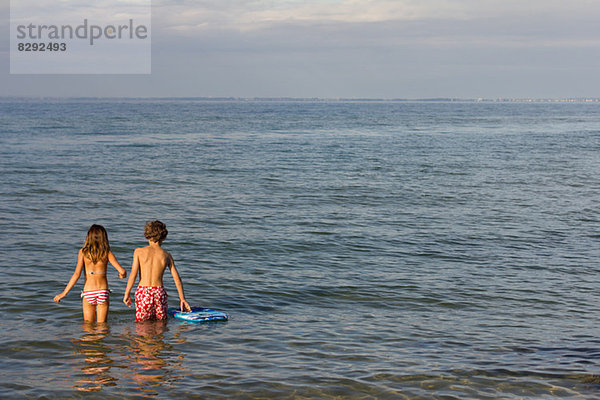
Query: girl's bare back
95	274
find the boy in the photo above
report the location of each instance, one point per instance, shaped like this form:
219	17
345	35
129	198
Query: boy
151	262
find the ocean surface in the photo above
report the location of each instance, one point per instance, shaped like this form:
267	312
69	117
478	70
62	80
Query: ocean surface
364	250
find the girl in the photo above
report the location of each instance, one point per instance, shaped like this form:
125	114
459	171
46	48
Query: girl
93	259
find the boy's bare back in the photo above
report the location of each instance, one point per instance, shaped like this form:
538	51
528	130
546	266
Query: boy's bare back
152	261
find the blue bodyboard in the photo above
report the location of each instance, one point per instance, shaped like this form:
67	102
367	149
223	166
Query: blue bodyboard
199	314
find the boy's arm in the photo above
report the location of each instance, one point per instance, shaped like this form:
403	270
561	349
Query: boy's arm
73	279
113	261
182	303
135	266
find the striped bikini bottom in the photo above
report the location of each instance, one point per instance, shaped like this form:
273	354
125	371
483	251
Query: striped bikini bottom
95	297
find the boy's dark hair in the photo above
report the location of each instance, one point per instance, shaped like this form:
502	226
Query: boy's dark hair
155	231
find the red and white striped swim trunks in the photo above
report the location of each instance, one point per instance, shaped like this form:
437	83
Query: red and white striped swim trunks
96	297
150	303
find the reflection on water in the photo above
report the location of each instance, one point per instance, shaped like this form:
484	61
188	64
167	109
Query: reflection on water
149	364
139	358
97	363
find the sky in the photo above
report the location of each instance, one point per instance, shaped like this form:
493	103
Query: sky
348	49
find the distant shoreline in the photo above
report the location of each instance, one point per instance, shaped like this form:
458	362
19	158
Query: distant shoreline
311	99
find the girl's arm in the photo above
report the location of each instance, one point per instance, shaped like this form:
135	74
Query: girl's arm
135	266
113	261
73	279
182	303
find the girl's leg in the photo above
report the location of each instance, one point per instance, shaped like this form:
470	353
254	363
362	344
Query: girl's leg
102	311
89	311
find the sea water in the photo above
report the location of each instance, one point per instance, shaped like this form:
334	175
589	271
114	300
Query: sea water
363	250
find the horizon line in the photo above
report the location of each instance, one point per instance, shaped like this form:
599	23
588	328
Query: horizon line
318	99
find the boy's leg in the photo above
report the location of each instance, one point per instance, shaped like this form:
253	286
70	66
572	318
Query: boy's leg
89	311
143	304
161	303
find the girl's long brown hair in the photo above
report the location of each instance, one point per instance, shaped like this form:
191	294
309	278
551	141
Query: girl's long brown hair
96	246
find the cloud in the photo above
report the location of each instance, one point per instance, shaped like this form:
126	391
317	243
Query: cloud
70	11
190	16
323	23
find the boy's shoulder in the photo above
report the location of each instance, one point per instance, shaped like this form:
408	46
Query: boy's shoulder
141	250
148	248
165	252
